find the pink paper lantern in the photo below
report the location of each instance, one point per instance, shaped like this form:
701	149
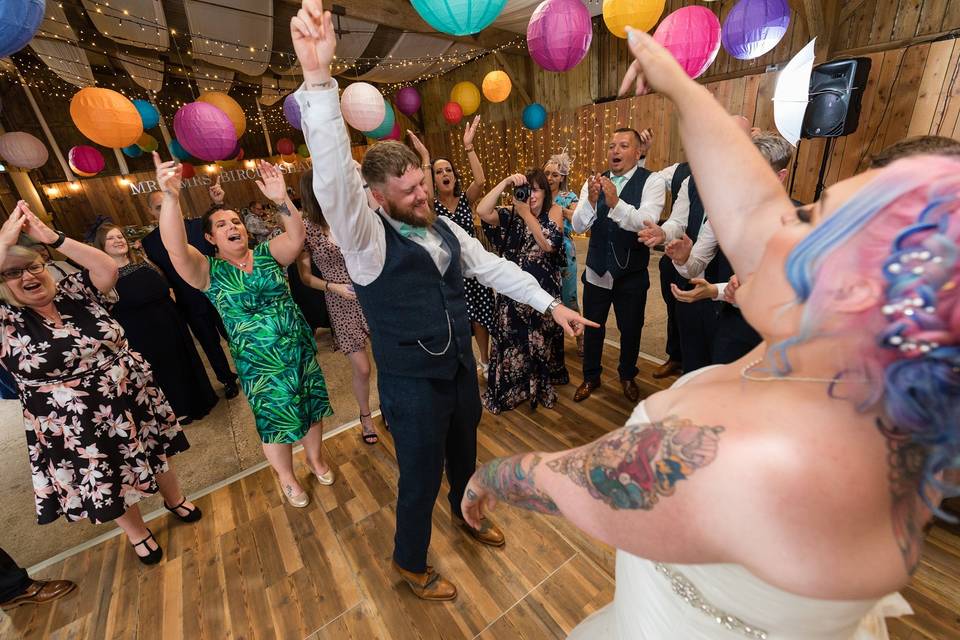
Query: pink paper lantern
394	133
559	34
205	131
86	160
23	150
362	106
407	101
692	35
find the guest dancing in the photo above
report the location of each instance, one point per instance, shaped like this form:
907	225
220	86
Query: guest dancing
456	203
271	344
526	356
408	267
154	329
99	432
557	169
350	331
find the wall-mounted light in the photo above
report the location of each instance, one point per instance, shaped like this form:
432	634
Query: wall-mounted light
75	186
124	181
211	168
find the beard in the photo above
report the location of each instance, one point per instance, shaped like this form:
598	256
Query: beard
414	216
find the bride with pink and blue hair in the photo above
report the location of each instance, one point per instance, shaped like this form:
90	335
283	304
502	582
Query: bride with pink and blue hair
783	495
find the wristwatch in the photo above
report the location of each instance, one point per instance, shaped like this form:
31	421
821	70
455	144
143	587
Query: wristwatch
553	305
59	241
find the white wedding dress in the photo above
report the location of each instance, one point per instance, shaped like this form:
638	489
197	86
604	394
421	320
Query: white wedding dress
655	601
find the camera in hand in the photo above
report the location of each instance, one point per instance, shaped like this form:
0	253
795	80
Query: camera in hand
522	192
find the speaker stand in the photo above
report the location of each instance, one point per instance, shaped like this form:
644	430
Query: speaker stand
823	169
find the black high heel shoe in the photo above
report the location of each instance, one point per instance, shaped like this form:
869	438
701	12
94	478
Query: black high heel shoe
154	556
192	514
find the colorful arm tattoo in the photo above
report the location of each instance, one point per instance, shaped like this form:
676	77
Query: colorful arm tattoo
633	467
512	481
906	460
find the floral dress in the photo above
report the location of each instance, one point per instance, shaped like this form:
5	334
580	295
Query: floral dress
526	347
272	347
98	428
479	297
569	287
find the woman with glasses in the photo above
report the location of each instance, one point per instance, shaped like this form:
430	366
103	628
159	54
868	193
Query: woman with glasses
99	431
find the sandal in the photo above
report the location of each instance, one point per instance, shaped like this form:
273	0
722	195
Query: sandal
154	556
192	514
368	437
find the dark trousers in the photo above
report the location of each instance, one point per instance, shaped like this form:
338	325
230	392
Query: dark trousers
735	337
434	424
207	327
13	579
668	276
629	299
697	322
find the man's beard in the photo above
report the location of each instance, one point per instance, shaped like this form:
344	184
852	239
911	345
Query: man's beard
410	215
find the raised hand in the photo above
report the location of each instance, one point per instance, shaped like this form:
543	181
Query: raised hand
609	191
702	290
646	139
469	132
168	176
679	250
653	67
217	194
272	185
593	193
419	147
12	227
516	180
652	234
35	227
314	41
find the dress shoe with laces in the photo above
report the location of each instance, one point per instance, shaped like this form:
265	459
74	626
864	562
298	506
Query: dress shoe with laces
428	585
667	369
630	390
585	389
488	533
40	592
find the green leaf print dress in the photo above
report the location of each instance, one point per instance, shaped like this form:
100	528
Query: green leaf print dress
271	345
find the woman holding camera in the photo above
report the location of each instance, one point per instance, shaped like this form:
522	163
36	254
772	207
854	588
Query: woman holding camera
526	352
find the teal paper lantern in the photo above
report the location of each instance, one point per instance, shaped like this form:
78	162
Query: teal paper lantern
459	17
534	116
177	151
133	151
148	114
386	126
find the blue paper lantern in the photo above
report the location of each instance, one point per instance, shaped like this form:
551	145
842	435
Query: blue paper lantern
534	116
133	151
386	126
148	113
177	150
19	20
754	27
459	17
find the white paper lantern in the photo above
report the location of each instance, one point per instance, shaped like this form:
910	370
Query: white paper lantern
362	106
23	150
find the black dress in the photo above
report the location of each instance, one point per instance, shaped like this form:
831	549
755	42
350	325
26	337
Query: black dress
479	297
156	329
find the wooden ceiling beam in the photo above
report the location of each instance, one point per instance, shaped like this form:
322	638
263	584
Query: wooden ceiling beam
815	14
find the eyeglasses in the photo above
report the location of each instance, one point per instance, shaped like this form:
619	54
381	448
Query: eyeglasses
35	268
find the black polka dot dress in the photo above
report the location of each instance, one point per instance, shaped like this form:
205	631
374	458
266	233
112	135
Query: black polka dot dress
479	297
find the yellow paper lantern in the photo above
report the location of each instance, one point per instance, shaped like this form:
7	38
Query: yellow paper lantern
467	96
638	14
496	86
229	106
106	117
289	158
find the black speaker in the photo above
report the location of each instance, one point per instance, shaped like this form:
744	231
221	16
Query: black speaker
836	88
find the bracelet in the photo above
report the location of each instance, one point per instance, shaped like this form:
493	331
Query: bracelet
470	150
61	238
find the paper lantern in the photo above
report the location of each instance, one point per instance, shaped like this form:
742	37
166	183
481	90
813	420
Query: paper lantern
407	101
394	133
362	106
289	158
147	143
133	151
303	151
754	27
692	35
459	17
86	160
534	116
22	150
205	131
19	20
177	150
559	34
452	112
239	154
285	146
229	106
291	111
106	117
389	119
149	115
496	86
188	171
638	14
467	96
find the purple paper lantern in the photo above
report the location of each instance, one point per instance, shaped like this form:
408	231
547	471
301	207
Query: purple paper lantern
205	131
407	101
86	159
754	27
559	34
291	111
692	35
394	132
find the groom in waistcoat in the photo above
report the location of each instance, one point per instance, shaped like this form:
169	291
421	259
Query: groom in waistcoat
614	206
408	268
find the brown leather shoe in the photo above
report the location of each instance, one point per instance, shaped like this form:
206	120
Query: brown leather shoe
667	369
40	592
428	585
585	389
488	533
630	390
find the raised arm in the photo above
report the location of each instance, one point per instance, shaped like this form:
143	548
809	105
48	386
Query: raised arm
536	229
487	207
475	189
745	200
190	264
288	245
421	150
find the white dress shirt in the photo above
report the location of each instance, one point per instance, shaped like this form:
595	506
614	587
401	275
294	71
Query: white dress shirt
359	229
624	214
703	251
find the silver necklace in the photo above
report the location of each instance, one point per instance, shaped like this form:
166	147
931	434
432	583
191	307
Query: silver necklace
239	265
746	375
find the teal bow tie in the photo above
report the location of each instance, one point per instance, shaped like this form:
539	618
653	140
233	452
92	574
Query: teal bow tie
407	230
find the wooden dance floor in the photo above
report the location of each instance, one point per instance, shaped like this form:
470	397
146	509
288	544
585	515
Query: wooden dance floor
255	567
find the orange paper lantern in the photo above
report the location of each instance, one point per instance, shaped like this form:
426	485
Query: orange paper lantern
106	117
496	86
229	106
